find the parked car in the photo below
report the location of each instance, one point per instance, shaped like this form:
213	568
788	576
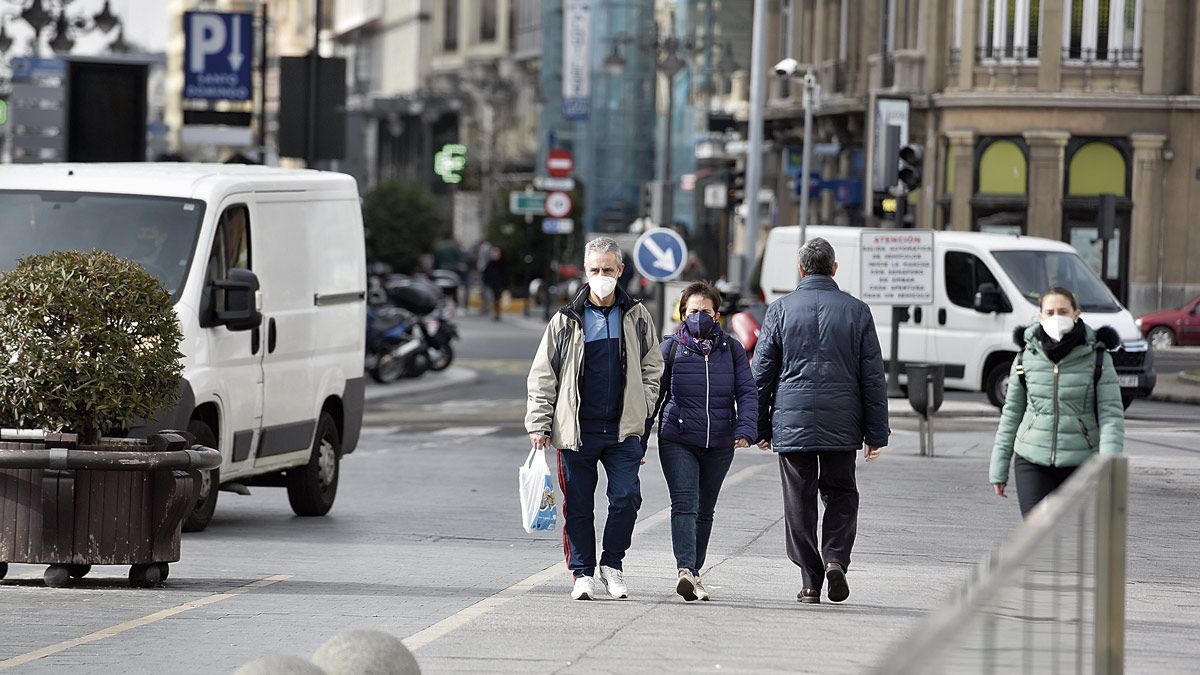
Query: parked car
1172	327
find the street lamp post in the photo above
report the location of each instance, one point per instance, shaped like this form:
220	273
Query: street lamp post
811	94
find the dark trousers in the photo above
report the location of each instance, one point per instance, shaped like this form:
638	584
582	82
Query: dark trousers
832	475
694	475
578	475
1035	481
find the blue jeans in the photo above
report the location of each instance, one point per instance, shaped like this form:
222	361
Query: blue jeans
694	477
578	475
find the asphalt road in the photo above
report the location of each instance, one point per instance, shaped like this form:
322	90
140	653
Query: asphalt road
424	543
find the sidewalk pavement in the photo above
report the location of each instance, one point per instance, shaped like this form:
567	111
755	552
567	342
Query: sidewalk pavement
454	376
925	524
1177	388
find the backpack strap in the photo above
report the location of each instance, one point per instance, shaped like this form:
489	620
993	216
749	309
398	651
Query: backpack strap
1021	369
664	392
1097	372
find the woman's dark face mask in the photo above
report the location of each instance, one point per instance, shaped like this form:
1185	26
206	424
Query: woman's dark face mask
699	324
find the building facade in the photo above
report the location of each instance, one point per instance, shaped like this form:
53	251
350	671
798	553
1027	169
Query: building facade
1029	112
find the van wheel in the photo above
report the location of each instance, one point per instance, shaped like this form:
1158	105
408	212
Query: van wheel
1126	400
210	482
312	488
995	385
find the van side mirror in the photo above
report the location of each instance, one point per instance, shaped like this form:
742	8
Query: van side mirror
239	309
989	299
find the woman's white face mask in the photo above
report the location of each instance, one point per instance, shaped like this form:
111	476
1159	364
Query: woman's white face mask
1057	326
603	286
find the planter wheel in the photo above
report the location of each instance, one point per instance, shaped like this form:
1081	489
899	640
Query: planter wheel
3	570
146	576
57	576
165	570
78	571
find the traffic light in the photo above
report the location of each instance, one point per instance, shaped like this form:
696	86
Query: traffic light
910	166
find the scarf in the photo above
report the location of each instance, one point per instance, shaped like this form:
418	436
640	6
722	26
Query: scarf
1057	351
689	341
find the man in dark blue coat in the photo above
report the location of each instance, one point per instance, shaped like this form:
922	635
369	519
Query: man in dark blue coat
822	398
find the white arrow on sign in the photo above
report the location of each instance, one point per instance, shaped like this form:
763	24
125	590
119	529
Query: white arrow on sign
235	50
663	260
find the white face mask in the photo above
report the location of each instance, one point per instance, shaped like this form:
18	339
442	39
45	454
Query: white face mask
1057	326
602	286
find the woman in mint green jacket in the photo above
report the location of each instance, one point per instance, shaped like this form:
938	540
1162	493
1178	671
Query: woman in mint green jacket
1065	408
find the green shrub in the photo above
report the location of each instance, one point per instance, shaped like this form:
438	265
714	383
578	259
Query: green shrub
402	223
88	342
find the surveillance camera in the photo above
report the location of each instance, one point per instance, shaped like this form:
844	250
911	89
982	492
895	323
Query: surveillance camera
786	67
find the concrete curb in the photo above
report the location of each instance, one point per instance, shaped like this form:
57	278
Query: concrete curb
454	376
1177	388
900	407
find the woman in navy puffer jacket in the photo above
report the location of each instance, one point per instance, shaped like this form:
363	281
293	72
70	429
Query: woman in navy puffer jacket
709	405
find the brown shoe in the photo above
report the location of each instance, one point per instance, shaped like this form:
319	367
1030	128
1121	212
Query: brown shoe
809	596
835	574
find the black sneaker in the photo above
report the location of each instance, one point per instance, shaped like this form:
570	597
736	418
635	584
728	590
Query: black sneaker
835	574
809	596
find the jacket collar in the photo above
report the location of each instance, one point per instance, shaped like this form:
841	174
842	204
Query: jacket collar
574	309
815	282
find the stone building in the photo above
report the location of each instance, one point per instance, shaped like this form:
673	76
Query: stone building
1028	112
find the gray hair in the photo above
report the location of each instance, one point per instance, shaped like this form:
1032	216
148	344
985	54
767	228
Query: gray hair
816	257
603	245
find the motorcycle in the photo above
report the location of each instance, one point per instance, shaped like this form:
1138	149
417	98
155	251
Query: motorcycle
396	345
439	331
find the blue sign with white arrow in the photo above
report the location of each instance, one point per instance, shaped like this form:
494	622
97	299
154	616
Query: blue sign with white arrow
660	254
216	57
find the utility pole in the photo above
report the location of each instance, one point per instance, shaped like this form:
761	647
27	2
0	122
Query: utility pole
811	94
314	94
754	153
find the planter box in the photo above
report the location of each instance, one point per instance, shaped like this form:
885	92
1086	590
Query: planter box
120	503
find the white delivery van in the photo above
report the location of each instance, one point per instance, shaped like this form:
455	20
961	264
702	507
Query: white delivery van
266	269
986	286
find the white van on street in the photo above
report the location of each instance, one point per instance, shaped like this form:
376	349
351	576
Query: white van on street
986	286
266	269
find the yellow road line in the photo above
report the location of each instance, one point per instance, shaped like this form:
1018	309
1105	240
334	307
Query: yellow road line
137	623
469	614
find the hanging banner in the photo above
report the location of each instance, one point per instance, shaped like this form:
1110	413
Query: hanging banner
577	39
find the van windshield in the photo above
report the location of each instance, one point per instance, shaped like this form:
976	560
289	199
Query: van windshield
157	233
1035	271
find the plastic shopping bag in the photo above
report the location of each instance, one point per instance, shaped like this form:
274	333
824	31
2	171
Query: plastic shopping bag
537	493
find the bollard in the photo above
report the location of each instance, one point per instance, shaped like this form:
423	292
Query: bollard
279	665
366	651
926	385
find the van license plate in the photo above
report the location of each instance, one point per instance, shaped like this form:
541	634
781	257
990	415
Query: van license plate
1127	380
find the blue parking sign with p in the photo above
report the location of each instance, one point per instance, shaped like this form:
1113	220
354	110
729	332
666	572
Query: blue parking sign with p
218	51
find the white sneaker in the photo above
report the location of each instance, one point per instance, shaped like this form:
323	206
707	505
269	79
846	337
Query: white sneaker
584	589
686	585
700	590
614	581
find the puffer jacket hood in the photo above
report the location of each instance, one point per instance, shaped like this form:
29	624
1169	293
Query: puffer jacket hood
1060	415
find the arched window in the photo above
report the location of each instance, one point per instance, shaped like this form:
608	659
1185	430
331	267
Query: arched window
1003	169
1000	203
1096	168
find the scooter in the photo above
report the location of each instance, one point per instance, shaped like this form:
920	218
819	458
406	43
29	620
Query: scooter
396	345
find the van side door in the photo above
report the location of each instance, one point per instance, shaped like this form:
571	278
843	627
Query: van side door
963	335
235	357
285	238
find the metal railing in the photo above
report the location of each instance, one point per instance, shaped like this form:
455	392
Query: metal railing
1051	599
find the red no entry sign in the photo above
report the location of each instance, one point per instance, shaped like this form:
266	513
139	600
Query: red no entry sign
559	163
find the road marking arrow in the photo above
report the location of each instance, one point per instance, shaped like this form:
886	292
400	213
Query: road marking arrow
235	51
663	260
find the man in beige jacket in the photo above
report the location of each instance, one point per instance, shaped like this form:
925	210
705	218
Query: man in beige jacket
593	380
